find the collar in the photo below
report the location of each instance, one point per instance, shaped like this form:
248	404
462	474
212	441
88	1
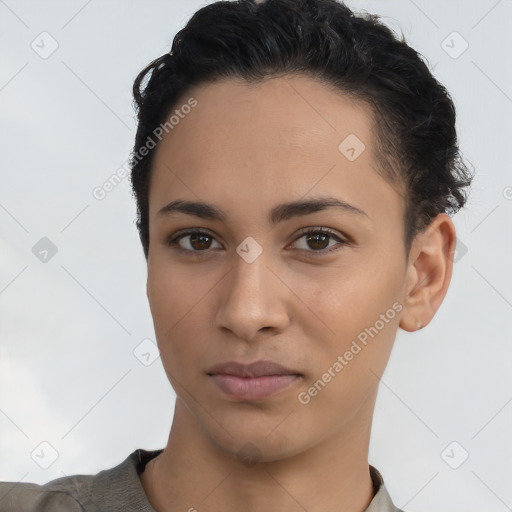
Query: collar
124	480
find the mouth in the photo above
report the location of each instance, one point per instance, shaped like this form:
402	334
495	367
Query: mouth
254	381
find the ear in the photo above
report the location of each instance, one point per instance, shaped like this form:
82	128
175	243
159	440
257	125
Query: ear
429	272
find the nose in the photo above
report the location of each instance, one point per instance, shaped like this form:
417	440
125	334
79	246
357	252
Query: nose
252	299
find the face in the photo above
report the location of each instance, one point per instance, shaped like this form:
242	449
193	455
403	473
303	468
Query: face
255	283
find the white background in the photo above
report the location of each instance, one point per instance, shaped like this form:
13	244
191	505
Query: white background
68	374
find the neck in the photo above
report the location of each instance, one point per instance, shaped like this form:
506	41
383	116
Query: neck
193	472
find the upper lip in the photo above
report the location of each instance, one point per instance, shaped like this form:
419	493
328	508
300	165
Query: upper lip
256	369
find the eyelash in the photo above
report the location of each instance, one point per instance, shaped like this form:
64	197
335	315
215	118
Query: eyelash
172	241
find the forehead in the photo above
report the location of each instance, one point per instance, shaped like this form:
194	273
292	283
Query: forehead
280	113
268	141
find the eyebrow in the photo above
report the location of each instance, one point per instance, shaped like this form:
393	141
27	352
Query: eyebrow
279	213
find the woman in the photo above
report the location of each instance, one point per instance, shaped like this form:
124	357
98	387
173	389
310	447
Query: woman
294	168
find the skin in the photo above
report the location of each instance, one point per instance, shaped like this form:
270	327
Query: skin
245	149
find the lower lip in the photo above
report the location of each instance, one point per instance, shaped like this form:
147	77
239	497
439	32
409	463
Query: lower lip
252	388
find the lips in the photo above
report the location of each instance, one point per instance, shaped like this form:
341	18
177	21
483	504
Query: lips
255	381
256	369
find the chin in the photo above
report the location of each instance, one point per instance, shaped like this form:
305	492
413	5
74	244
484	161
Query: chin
252	445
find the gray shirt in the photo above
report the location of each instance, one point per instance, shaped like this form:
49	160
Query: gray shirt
117	489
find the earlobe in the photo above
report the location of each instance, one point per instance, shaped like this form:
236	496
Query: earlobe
409	321
429	273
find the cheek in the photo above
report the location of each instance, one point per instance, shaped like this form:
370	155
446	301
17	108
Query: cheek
346	371
361	308
354	297
174	291
177	307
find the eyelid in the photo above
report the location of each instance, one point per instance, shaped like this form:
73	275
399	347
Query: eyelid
322	230
343	240
173	239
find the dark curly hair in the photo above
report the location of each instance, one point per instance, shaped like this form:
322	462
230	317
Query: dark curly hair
358	55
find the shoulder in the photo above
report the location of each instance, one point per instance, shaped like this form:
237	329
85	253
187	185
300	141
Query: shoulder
381	501
62	494
106	490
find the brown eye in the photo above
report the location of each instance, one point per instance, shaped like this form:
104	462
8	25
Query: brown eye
200	241
318	240
193	241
